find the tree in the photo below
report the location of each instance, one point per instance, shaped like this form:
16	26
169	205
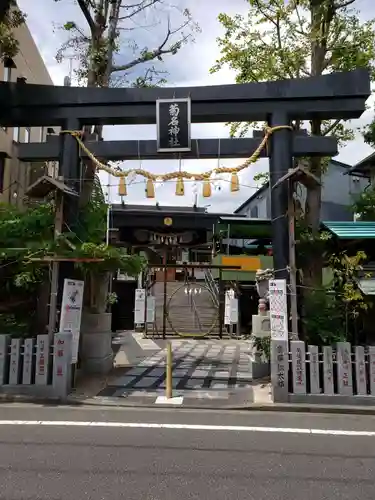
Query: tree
100	44
10	18
279	40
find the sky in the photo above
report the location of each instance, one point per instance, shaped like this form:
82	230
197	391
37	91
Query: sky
190	67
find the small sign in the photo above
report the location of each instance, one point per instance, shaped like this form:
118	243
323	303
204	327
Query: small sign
173	121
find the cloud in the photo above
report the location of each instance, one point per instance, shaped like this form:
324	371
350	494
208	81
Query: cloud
189	68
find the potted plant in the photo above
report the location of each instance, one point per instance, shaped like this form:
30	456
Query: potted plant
96	335
261	356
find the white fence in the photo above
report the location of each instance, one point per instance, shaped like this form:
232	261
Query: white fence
302	373
34	366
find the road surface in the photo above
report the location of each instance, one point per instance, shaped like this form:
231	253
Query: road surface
68	453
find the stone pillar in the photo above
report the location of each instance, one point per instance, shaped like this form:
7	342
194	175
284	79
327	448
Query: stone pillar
96	342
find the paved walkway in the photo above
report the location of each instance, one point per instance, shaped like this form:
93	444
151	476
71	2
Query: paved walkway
202	369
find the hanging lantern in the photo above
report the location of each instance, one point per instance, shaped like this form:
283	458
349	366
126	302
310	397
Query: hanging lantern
122	187
150	189
234	182
180	188
206	189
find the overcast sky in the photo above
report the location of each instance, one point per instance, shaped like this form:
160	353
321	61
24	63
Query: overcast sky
189	67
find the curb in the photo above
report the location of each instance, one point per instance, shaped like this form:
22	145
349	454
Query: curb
108	403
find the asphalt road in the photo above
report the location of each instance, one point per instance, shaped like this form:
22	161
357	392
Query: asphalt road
165	455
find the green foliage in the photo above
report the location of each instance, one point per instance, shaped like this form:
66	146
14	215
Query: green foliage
113	259
23	235
14	18
369	134
364	205
263	178
278	40
262	346
324	318
106	36
330	313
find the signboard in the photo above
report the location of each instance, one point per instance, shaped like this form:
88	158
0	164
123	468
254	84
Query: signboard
173	121
139	308
278	309
71	312
231	308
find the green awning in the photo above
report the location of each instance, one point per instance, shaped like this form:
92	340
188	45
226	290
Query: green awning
243	227
351	230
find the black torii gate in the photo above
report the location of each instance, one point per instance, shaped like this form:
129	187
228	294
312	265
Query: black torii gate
334	96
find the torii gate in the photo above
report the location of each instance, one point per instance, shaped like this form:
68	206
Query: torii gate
334	96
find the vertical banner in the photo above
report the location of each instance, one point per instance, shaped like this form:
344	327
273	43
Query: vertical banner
297	349
344	369
139	306
27	369
150	313
328	384
71	312
62	354
371	362
42	359
173	121
14	368
4	358
314	369
360	371
278	310
280	371
230	308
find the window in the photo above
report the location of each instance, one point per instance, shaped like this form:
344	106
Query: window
16	134
27	134
2	173
7	74
254	212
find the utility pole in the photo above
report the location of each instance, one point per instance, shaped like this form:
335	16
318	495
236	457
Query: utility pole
292	263
292	177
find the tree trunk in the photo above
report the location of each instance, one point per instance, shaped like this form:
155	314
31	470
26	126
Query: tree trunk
321	18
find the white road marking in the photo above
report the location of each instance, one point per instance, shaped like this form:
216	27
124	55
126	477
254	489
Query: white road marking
192	427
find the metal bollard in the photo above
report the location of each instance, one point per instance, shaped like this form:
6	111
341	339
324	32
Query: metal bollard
168	375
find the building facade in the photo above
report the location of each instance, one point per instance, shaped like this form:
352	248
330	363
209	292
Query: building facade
339	191
15	176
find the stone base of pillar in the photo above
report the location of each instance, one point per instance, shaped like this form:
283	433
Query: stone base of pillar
96	347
